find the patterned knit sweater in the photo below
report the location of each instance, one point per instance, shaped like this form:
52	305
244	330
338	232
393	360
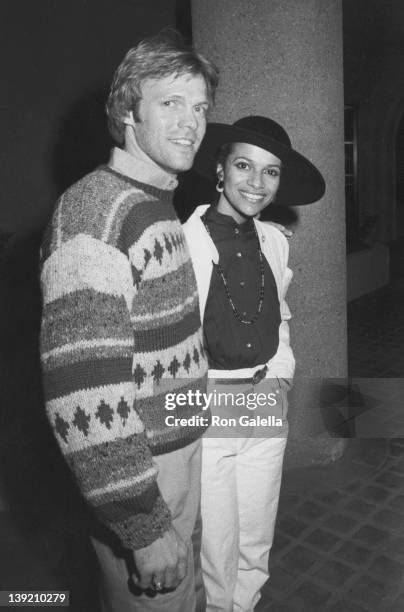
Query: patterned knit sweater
120	321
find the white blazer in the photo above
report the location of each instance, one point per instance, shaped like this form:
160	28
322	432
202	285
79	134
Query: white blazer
275	248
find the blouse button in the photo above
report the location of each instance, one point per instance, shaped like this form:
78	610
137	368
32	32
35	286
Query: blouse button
242	283
239	254
248	345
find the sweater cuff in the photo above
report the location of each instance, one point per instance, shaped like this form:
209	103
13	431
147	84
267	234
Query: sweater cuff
135	521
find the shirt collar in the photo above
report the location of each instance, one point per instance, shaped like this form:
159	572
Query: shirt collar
140	170
213	216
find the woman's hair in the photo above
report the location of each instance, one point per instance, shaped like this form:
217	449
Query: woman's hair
223	153
153	58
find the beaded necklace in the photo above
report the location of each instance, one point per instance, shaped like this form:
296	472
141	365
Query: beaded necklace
226	286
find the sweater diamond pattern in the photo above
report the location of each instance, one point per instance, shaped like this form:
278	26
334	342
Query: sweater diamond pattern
168	245
158	372
120	313
158	251
187	362
139	375
174	367
136	275
147	257
105	414
61	427
82	421
123	410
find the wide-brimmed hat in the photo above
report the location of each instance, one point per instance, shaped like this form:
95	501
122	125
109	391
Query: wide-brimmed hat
301	183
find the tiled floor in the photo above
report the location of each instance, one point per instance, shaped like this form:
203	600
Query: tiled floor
339	541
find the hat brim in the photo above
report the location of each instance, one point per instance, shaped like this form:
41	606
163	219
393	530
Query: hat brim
301	182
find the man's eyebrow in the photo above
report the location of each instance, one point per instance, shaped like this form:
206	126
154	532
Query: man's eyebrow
204	102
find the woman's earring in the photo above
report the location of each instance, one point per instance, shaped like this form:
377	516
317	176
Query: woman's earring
220	185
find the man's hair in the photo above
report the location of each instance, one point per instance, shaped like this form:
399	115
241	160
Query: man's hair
153	58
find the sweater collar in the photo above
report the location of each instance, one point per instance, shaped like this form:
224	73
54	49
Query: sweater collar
140	170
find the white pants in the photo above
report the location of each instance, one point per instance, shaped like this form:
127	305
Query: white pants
241	480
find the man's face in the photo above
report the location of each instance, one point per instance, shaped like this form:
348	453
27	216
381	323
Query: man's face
172	120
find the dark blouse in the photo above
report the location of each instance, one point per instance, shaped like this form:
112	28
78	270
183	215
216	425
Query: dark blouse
230	344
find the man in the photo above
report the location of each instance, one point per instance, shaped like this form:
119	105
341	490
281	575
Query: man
120	316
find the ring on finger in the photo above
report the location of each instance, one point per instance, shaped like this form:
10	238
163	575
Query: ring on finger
158	585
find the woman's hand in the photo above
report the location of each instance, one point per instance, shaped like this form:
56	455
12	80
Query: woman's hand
285	231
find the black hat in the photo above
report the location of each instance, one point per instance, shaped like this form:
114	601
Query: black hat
301	182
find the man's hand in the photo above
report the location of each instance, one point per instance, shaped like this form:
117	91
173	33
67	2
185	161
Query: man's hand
285	231
162	564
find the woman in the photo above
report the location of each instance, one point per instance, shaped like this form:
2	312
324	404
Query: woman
241	269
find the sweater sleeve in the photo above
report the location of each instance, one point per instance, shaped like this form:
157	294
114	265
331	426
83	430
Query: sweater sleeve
86	354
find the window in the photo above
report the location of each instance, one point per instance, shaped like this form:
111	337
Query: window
351	177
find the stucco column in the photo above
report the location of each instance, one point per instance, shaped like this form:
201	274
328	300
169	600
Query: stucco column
283	59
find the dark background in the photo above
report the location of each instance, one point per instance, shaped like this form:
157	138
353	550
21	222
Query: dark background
57	62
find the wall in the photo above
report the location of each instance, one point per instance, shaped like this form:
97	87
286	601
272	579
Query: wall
57	62
374	83
283	59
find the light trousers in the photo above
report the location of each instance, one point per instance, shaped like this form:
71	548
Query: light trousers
241	480
179	482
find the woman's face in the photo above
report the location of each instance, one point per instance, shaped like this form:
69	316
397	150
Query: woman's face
251	178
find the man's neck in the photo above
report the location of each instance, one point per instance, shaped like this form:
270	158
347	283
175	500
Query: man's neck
133	162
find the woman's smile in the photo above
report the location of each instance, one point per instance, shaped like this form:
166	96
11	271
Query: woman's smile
252	197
